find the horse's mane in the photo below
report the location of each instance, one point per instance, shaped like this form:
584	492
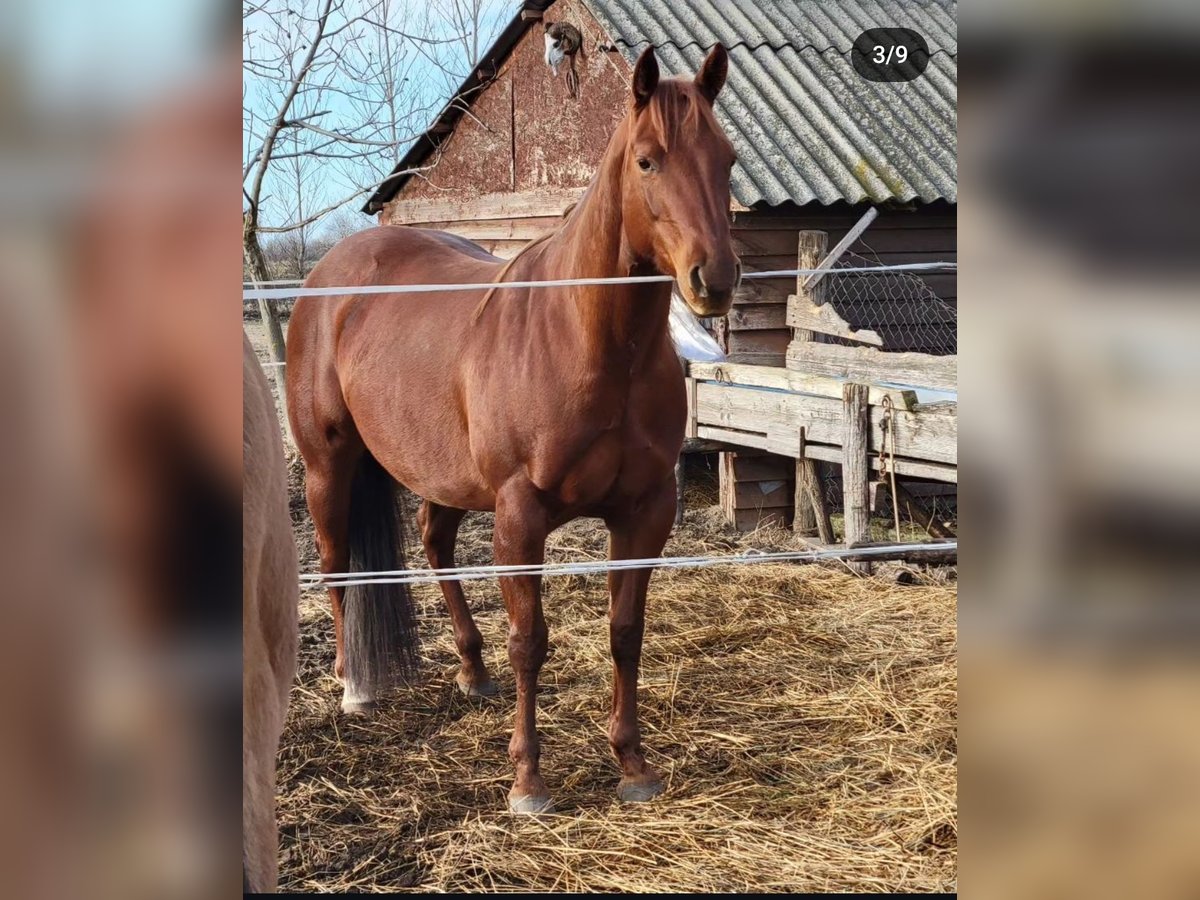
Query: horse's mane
507	267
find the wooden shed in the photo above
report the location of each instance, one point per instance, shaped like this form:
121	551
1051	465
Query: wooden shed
817	145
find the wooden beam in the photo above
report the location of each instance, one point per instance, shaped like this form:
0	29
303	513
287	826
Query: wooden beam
870	365
779	415
937	555
856	469
531	15
804	314
505	205
810	497
810	248
690	428
811	282
914	468
789	380
732	439
757	358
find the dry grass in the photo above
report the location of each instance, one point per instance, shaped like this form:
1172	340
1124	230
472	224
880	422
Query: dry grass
804	720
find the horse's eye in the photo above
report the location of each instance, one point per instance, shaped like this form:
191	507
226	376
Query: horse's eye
644	164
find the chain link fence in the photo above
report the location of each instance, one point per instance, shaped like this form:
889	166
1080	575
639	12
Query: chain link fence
908	316
899	306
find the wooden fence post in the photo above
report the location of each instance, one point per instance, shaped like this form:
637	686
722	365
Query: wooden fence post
808	483
856	469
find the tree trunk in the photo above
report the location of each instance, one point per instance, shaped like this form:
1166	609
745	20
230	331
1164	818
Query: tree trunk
259	274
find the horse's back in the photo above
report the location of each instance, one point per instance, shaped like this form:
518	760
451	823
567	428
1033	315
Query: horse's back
398	254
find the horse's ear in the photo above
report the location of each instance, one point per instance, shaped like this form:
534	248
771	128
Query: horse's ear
711	77
645	78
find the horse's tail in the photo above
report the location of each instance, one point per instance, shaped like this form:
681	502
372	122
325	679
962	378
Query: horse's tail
379	620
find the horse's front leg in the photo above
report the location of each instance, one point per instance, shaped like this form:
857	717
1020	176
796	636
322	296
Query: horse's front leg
520	538
638	533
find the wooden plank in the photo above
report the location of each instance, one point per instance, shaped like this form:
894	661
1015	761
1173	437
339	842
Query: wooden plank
531	15
915	468
732	437
790	380
757	359
740	492
779	415
775	341
726	482
836	219
811	485
757	316
525	204
761	494
871	365
523	230
830	260
856	468
763	467
935	555
690	430
802	313
752	291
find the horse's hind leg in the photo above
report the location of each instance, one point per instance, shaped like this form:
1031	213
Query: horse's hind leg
328	484
439	533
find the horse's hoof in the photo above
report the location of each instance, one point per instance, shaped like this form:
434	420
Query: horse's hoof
358	707
639	790
486	689
530	806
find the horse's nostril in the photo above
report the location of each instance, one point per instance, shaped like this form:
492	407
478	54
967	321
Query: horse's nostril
697	279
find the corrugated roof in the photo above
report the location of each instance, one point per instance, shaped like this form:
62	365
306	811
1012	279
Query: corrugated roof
805	125
807	128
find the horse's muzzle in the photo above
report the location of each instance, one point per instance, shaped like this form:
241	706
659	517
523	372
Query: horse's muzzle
710	288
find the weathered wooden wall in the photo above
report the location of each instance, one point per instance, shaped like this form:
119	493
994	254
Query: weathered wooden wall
524	140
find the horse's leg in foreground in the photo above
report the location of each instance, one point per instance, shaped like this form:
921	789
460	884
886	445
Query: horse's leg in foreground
639	534
439	532
520	538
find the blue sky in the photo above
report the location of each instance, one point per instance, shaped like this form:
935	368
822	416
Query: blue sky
326	181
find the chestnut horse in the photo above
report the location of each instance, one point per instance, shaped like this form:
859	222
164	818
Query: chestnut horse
543	405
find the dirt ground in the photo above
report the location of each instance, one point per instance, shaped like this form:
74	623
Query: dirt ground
804	719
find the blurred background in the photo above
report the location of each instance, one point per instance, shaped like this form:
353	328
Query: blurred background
1079	504
1079	501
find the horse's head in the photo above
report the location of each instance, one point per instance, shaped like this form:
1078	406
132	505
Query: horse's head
675	198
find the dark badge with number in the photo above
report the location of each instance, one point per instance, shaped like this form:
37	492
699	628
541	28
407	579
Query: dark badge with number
890	54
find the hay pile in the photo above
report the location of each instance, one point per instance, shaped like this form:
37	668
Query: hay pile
804	721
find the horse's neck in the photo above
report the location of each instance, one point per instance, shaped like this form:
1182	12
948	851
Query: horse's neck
612	319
